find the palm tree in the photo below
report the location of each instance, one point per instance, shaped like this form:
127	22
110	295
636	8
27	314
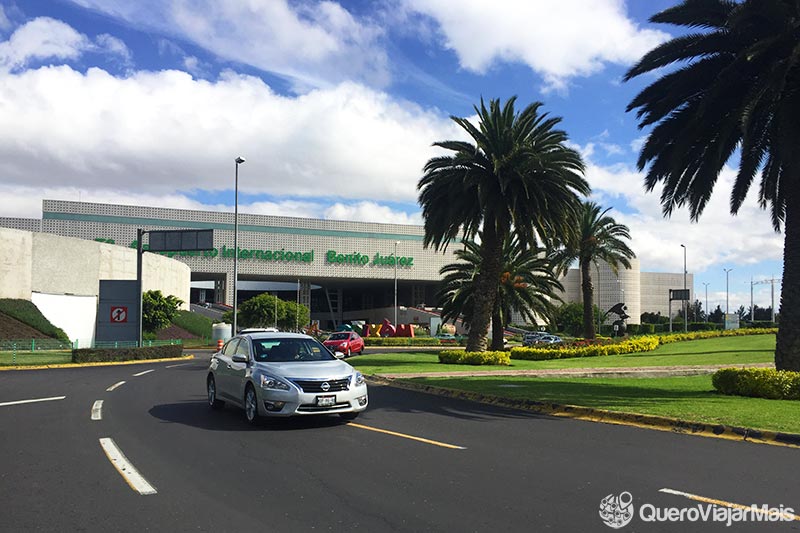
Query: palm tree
737	86
527	286
597	237
519	174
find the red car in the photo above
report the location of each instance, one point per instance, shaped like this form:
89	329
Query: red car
347	342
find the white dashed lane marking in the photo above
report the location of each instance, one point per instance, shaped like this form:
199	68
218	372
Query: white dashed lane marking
35	400
97	410
145	372
128	472
115	385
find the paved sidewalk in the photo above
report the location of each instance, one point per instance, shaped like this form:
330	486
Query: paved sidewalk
636	372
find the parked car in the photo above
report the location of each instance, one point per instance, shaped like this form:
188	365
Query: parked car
532	336
548	339
445	338
284	374
347	342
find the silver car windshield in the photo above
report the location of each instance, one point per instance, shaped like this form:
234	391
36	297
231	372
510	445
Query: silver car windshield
277	350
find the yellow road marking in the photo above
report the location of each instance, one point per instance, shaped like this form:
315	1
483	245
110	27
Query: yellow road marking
404	436
723	503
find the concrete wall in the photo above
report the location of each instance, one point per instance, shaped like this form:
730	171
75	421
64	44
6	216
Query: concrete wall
34	266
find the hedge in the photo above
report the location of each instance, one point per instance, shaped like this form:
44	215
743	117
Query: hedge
758	383
645	343
638	344
461	357
97	355
401	341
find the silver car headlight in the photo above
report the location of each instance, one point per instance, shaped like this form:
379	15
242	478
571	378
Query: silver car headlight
271	382
359	379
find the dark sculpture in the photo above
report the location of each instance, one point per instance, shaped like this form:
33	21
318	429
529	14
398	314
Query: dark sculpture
619	324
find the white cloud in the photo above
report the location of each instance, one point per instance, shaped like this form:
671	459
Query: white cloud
156	133
42	38
314	43
371	212
718	237
45	38
558	40
5	23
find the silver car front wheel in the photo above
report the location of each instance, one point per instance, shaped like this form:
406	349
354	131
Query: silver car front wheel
250	405
213	401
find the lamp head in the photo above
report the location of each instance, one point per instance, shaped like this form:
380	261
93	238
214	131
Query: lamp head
239	160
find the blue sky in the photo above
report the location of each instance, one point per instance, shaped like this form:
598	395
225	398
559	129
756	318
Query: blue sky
335	106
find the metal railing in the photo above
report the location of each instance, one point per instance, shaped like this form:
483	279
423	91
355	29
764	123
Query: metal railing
35	345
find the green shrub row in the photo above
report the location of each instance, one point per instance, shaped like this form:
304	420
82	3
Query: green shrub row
645	343
461	357
102	355
637	344
194	323
401	341
758	383
677	337
27	313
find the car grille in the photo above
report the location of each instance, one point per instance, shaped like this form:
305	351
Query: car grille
315	385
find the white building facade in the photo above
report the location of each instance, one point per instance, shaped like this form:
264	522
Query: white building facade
334	267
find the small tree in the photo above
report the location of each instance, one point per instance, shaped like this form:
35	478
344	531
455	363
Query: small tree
259	312
158	310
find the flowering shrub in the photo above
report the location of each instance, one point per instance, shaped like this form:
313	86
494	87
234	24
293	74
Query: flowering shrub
638	344
758	383
694	335
461	357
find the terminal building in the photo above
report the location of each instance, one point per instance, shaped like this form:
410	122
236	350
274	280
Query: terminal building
341	270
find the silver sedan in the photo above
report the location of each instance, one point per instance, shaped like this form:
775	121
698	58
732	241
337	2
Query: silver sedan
283	374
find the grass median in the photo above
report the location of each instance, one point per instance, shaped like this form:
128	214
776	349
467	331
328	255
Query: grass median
718	351
48	357
690	398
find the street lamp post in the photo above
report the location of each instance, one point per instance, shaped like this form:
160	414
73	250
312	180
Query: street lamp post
686	301
239	160
707	313
395	282
727	286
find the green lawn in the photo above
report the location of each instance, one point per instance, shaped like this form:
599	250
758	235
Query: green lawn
35	358
718	351
688	398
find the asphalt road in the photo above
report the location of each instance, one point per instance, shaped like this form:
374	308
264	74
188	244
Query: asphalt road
507	470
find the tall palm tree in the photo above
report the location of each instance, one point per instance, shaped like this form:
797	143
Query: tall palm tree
527	286
597	237
737	86
518	174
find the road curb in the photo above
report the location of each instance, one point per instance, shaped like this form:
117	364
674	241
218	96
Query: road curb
104	363
660	423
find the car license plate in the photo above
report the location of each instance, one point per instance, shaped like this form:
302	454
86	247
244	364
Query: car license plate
326	401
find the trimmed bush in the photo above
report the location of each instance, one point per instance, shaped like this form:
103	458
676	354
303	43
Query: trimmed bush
401	341
638	344
27	313
461	357
676	337
758	383
98	355
647	329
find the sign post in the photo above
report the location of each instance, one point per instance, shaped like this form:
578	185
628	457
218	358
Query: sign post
678	294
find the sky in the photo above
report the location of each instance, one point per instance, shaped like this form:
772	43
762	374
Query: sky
335	106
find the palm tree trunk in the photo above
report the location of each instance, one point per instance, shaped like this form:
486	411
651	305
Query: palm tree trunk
588	300
787	350
485	291
497	327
